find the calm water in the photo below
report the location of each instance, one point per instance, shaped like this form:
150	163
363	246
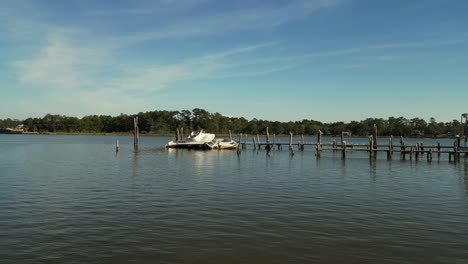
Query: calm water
72	199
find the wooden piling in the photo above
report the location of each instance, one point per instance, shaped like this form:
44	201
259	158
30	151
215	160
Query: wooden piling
267	147
136	133
117	145
291	151
438	149
343	149
402	148
177	134
267	136
375	136
290	140
254	145
390	147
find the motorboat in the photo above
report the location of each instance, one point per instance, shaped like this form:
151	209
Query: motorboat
222	144
196	140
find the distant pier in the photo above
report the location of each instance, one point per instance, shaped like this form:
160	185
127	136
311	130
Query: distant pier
412	152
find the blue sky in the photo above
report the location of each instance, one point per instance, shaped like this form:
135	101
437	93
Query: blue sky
327	60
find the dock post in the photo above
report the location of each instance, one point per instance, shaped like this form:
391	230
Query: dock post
402	148
334	145
371	146
254	145
182	133
375	136
319	143
267	147
390	147
411	153
291	151
429	155
290	140
177	134
438	150
230	135
343	149
117	145
136	133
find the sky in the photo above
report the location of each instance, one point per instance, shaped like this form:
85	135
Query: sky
326	60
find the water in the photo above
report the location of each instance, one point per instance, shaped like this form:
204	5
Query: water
72	199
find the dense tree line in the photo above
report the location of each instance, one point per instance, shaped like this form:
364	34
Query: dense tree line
166	122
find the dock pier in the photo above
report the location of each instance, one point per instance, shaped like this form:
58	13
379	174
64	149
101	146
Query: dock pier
415	152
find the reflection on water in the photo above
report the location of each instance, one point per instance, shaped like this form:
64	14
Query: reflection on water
79	202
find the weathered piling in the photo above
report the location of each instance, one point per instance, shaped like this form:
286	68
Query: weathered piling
117	145
375	136
402	148
177	135
290	140
343	149
438	149
267	147
319	143
390	147
136	133
291	151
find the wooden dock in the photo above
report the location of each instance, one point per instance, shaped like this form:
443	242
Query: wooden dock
417	151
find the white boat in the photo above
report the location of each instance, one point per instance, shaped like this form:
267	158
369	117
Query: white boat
195	140
222	144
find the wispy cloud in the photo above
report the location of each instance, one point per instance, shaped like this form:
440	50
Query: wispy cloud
235	20
148	8
61	64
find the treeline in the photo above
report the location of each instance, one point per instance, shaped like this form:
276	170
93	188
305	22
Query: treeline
166	122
